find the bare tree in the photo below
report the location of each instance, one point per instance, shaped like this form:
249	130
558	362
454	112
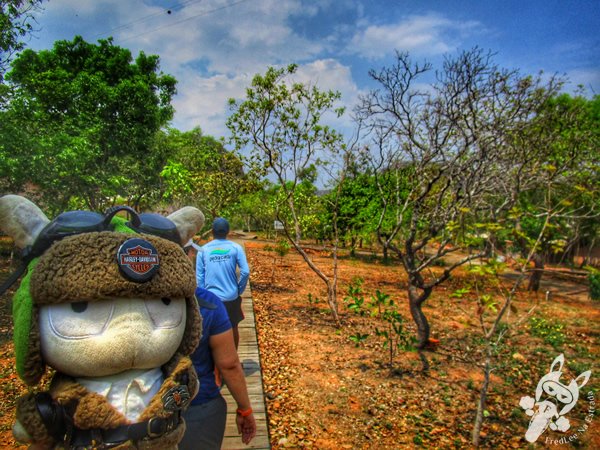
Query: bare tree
492	331
452	145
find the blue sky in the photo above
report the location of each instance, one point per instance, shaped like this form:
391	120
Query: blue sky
215	47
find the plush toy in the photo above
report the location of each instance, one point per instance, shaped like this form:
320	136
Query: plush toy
107	301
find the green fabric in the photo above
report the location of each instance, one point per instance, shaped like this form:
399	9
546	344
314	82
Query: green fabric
119	225
22	310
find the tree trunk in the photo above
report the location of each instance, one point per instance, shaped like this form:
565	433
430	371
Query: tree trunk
331	284
521	242
332	301
536	274
481	405
415	303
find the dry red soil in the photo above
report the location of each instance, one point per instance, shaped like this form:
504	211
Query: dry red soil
324	391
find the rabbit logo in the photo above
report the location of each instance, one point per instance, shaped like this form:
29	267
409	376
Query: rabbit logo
553	399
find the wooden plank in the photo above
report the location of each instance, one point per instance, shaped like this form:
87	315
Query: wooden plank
231	428
250	365
235	443
246	351
255	399
249	357
246	335
252	389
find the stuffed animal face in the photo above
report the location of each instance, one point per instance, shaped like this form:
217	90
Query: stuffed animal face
105	296
91	339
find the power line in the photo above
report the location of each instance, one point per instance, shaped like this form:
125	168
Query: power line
204	13
148	17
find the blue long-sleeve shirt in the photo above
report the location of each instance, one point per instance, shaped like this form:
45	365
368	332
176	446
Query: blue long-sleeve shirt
216	269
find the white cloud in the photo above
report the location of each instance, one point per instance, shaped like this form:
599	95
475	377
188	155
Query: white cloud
429	34
212	47
327	74
330	74
245	37
202	101
588	78
213	53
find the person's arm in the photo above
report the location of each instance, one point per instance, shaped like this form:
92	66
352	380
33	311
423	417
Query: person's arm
227	361
200	274
244	270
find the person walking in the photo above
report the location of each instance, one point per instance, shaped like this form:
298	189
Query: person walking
216	358
216	271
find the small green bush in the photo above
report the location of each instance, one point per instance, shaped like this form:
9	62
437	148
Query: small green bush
594	279
282	247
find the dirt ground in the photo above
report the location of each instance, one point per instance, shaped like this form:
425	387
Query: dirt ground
326	391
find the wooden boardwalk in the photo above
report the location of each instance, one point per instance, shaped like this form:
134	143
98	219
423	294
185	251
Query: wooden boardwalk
249	357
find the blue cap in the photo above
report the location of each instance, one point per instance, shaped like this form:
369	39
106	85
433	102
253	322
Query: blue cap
220	228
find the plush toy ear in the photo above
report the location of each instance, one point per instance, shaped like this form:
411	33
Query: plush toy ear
21	219
188	220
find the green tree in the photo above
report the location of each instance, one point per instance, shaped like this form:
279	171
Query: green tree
204	173
256	208
568	132
360	208
307	206
281	123
15	23
81	124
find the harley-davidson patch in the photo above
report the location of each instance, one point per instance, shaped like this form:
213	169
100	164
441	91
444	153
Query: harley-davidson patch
138	259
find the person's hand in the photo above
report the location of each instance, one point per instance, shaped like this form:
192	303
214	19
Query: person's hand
246	427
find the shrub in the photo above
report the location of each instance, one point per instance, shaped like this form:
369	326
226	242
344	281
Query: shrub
282	248
594	279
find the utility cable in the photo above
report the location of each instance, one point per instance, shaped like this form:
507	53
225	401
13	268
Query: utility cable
175	7
204	13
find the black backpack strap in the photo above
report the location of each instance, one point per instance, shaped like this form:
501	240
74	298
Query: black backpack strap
53	416
13	277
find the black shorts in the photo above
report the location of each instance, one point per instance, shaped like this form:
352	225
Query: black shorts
234	311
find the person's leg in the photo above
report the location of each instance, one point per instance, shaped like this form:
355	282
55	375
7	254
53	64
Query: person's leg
205	425
236	335
236	315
